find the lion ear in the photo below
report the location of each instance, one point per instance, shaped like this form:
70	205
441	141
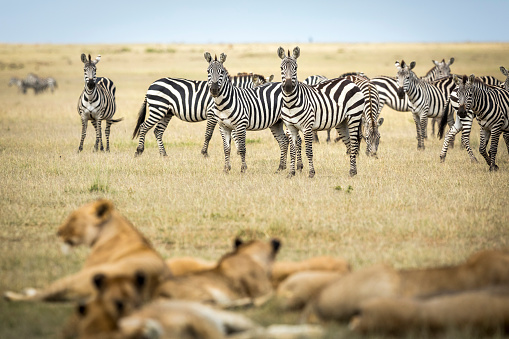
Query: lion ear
103	208
276	244
99	281
82	309
140	279
237	242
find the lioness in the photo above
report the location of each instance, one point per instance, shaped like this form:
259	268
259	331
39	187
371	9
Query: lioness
483	311
283	269
342	299
116	248
240	276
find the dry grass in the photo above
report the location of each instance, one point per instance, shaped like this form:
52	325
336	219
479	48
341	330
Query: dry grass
405	208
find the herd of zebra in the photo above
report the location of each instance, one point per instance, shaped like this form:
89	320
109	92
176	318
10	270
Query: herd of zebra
34	82
350	103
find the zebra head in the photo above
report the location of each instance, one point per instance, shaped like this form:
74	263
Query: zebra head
404	74
465	89
443	67
373	136
90	69
506	73
288	69
216	73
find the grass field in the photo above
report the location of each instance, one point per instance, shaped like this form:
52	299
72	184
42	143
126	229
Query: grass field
406	208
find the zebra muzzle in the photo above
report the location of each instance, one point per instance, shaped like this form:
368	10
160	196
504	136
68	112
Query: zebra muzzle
214	89
462	111
287	86
91	84
401	93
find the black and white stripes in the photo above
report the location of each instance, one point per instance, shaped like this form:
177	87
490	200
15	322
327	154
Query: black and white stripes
333	103
244	109
96	103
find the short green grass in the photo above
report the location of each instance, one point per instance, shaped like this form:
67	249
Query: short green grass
406	208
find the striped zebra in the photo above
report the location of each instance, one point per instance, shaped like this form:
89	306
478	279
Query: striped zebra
333	103
244	109
388	88
96	103
18	83
427	100
311	81
490	105
188	100
370	114
464	124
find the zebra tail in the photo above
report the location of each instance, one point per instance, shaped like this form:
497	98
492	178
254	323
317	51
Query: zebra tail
141	118
116	120
443	121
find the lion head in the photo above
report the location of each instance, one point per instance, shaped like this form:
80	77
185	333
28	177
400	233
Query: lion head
83	225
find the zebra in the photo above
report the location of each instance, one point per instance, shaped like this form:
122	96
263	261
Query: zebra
188	100
428	100
244	109
371	112
311	81
96	103
388	88
335	103
464	124
490	105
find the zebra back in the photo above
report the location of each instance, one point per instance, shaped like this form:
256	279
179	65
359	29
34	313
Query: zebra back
314	80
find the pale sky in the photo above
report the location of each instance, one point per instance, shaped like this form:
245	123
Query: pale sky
187	21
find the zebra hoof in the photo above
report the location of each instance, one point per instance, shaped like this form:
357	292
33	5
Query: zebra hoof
353	173
474	161
442	158
291	175
300	167
493	168
205	154
311	174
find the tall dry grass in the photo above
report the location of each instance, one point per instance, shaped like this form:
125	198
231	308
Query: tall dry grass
405	208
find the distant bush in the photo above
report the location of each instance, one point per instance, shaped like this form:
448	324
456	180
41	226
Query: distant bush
160	50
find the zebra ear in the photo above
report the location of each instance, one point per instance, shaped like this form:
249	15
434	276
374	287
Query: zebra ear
504	71
208	57
83	58
435	62
397	64
451	61
97	59
296	52
471	78
380	122
222	58
281	52
271	78
412	64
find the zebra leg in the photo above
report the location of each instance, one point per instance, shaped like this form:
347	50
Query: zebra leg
146	126
450	134
342	130
226	135
279	134
107	134
419	127
506	139
485	137
211	124
328	136
236	141
293	135
84	122
98	136
495	137
240	135
425	130
315	137
465	135
354	133
158	132
298	143
308	139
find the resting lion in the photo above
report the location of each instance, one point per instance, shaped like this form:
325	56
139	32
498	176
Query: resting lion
187	265
283	269
342	299
482	311
116	247
242	276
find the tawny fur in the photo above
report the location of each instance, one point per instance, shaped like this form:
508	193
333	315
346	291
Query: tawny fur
188	265
483	311
282	269
116	248
242	275
342	299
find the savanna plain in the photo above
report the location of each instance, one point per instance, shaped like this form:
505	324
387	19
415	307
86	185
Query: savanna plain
405	208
